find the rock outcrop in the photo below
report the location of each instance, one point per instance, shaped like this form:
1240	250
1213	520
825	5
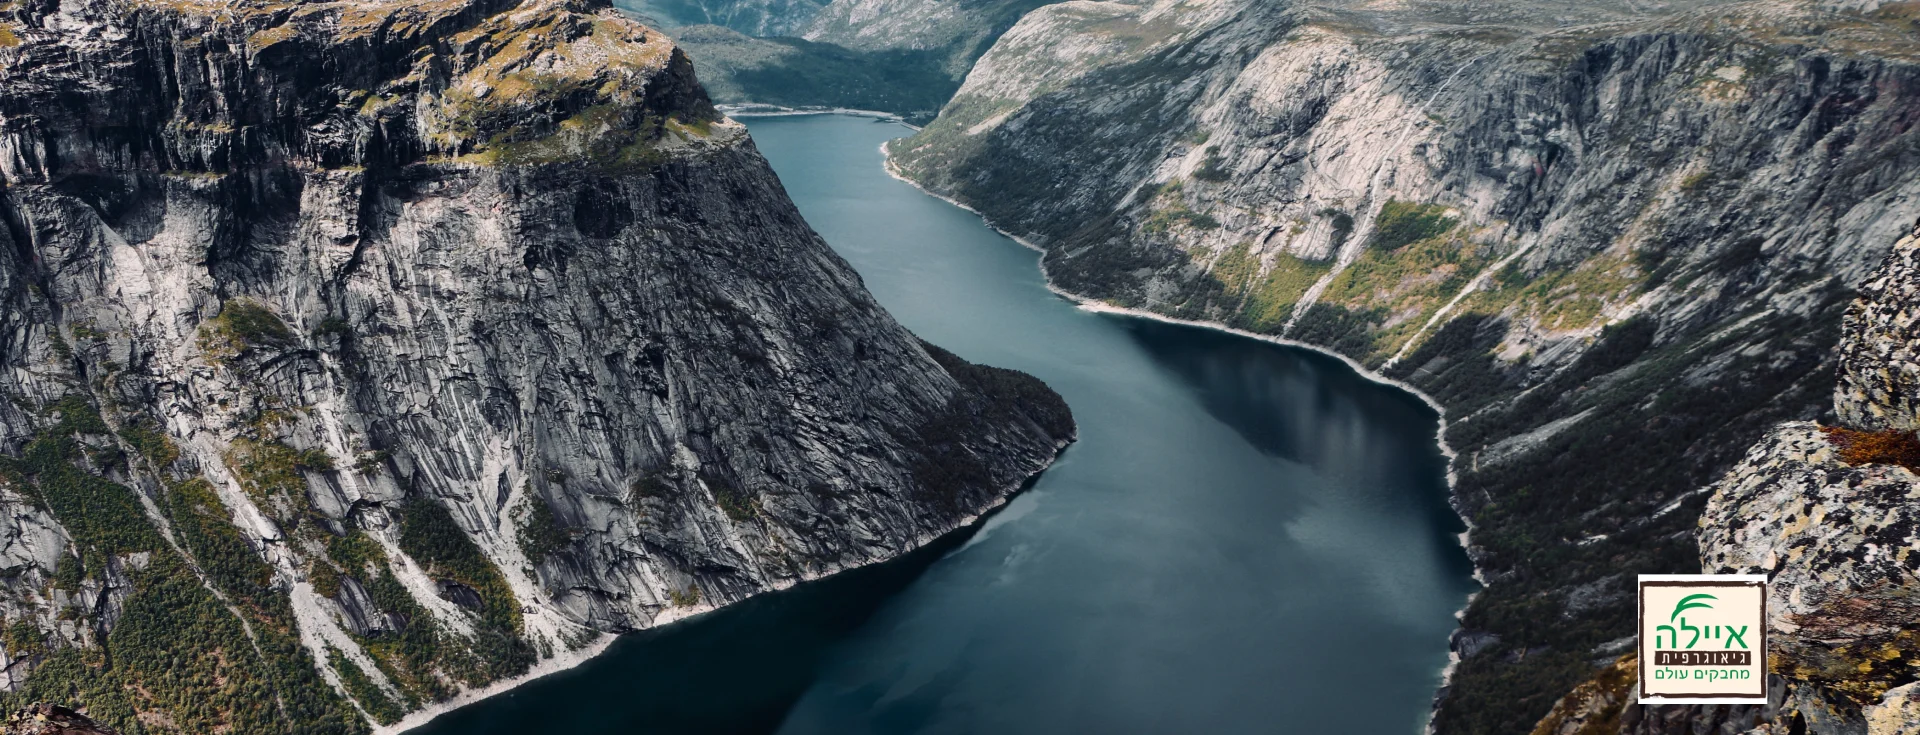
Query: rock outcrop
1840	546
1837	530
48	719
1591	231
1831	515
1880	348
359	354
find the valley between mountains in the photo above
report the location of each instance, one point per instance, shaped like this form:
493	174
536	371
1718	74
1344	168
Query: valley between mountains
360	356
1614	242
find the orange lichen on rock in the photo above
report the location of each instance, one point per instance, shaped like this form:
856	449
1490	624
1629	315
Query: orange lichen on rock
1891	446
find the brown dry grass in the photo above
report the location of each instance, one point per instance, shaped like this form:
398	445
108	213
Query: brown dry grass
1875	447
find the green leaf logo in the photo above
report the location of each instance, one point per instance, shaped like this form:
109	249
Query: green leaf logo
1691	602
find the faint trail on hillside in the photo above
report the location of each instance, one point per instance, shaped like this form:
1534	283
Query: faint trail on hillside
1472	286
1350	250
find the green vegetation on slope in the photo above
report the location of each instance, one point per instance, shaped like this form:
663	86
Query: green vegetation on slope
242	326
177	655
203	525
739	504
361	686
1534	513
183	662
410	656
540	532
274	474
950	474
1564	299
430	536
1405	223
1403	286
1267	298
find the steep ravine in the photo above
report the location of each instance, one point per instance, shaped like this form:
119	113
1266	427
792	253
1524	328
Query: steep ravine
1614	242
360	355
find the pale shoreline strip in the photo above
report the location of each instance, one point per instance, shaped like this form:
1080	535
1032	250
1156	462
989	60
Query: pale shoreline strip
564	661
560	662
1092	305
568	660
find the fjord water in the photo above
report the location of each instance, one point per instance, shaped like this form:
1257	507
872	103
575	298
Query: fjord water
1248	538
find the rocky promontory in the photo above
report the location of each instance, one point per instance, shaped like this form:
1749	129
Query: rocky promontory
358	355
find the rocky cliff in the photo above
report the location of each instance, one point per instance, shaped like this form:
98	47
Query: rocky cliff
1592	231
357	355
1829	514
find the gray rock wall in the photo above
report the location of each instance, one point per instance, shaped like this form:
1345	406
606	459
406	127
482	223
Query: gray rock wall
417	342
1879	365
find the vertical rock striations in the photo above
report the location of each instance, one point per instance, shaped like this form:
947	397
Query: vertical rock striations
359	354
1880	347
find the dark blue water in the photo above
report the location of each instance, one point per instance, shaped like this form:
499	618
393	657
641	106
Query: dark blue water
1248	538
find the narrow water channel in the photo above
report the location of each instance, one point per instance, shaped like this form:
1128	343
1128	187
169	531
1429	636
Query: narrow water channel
1248	538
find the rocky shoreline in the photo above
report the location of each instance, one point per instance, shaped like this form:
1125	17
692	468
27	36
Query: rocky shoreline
598	646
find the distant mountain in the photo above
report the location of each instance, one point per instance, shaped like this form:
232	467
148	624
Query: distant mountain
793	72
749	17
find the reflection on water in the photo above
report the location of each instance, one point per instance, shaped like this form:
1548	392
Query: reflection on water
737	670
1247	538
1314	410
1298	405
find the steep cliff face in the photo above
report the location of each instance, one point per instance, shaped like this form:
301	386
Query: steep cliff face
1880	348
1831	514
1591	231
357	355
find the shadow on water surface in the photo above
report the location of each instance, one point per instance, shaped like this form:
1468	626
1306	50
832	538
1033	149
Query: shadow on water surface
737	670
1249	538
1283	399
1314	410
